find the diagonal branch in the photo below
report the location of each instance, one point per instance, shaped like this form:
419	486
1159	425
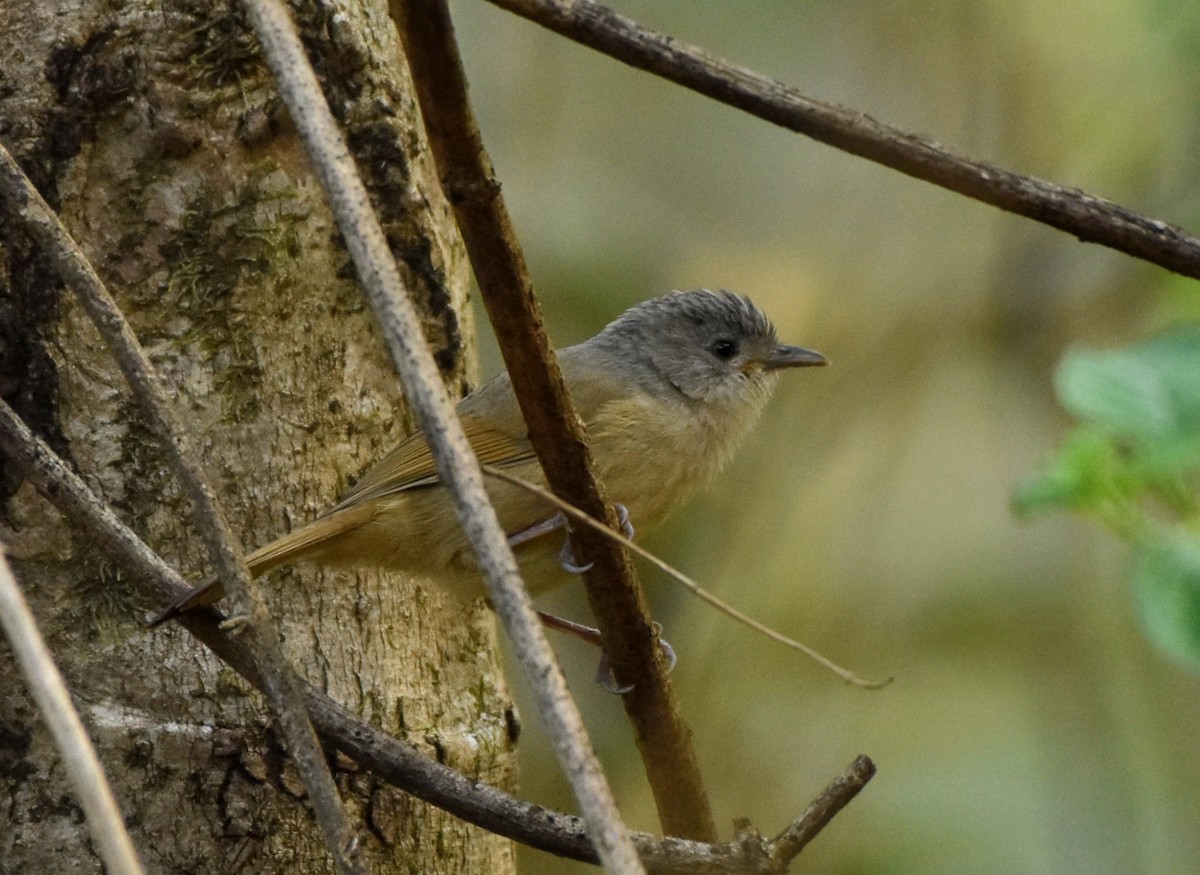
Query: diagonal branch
558	437
456	463
49	691
255	625
1092	219
390	759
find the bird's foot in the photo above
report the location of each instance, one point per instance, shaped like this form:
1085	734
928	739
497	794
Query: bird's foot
604	672
566	556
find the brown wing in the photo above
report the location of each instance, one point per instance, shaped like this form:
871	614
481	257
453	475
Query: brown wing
410	464
501	442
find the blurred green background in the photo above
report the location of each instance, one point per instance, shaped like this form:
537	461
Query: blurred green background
1032	728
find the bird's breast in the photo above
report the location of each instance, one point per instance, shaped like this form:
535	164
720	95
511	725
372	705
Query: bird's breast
652	455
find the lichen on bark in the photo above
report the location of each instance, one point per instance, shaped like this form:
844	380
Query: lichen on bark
154	130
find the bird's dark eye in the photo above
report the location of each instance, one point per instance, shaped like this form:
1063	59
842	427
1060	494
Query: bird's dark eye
724	349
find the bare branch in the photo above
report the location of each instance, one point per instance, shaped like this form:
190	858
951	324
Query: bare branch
1090	218
836	796
50	692
456	464
390	759
558	437
254	622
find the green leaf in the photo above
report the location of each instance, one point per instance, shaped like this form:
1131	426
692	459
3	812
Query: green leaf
1085	473
1166	581
1146	392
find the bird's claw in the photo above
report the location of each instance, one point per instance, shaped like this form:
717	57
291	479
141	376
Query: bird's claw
668	654
566	556
606	679
626	526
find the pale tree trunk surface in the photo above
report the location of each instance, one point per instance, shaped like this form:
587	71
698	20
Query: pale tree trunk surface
154	130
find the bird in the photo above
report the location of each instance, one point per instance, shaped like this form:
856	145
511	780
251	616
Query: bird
666	391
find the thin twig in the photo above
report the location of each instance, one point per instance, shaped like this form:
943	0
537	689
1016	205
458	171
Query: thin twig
555	431
691	585
50	693
391	760
456	464
1092	219
835	797
261	636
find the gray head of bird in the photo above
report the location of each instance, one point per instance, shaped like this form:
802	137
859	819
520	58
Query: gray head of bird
715	348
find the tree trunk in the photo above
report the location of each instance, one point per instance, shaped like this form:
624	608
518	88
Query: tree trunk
154	129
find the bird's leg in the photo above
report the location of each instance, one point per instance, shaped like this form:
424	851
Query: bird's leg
604	673
562	624
550	524
566	556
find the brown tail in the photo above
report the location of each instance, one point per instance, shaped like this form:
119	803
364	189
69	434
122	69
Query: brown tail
290	548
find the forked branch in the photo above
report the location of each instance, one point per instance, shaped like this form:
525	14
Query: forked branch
1092	219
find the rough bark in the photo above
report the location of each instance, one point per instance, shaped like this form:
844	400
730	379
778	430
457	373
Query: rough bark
154	130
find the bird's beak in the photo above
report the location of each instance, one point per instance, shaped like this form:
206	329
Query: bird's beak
792	357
